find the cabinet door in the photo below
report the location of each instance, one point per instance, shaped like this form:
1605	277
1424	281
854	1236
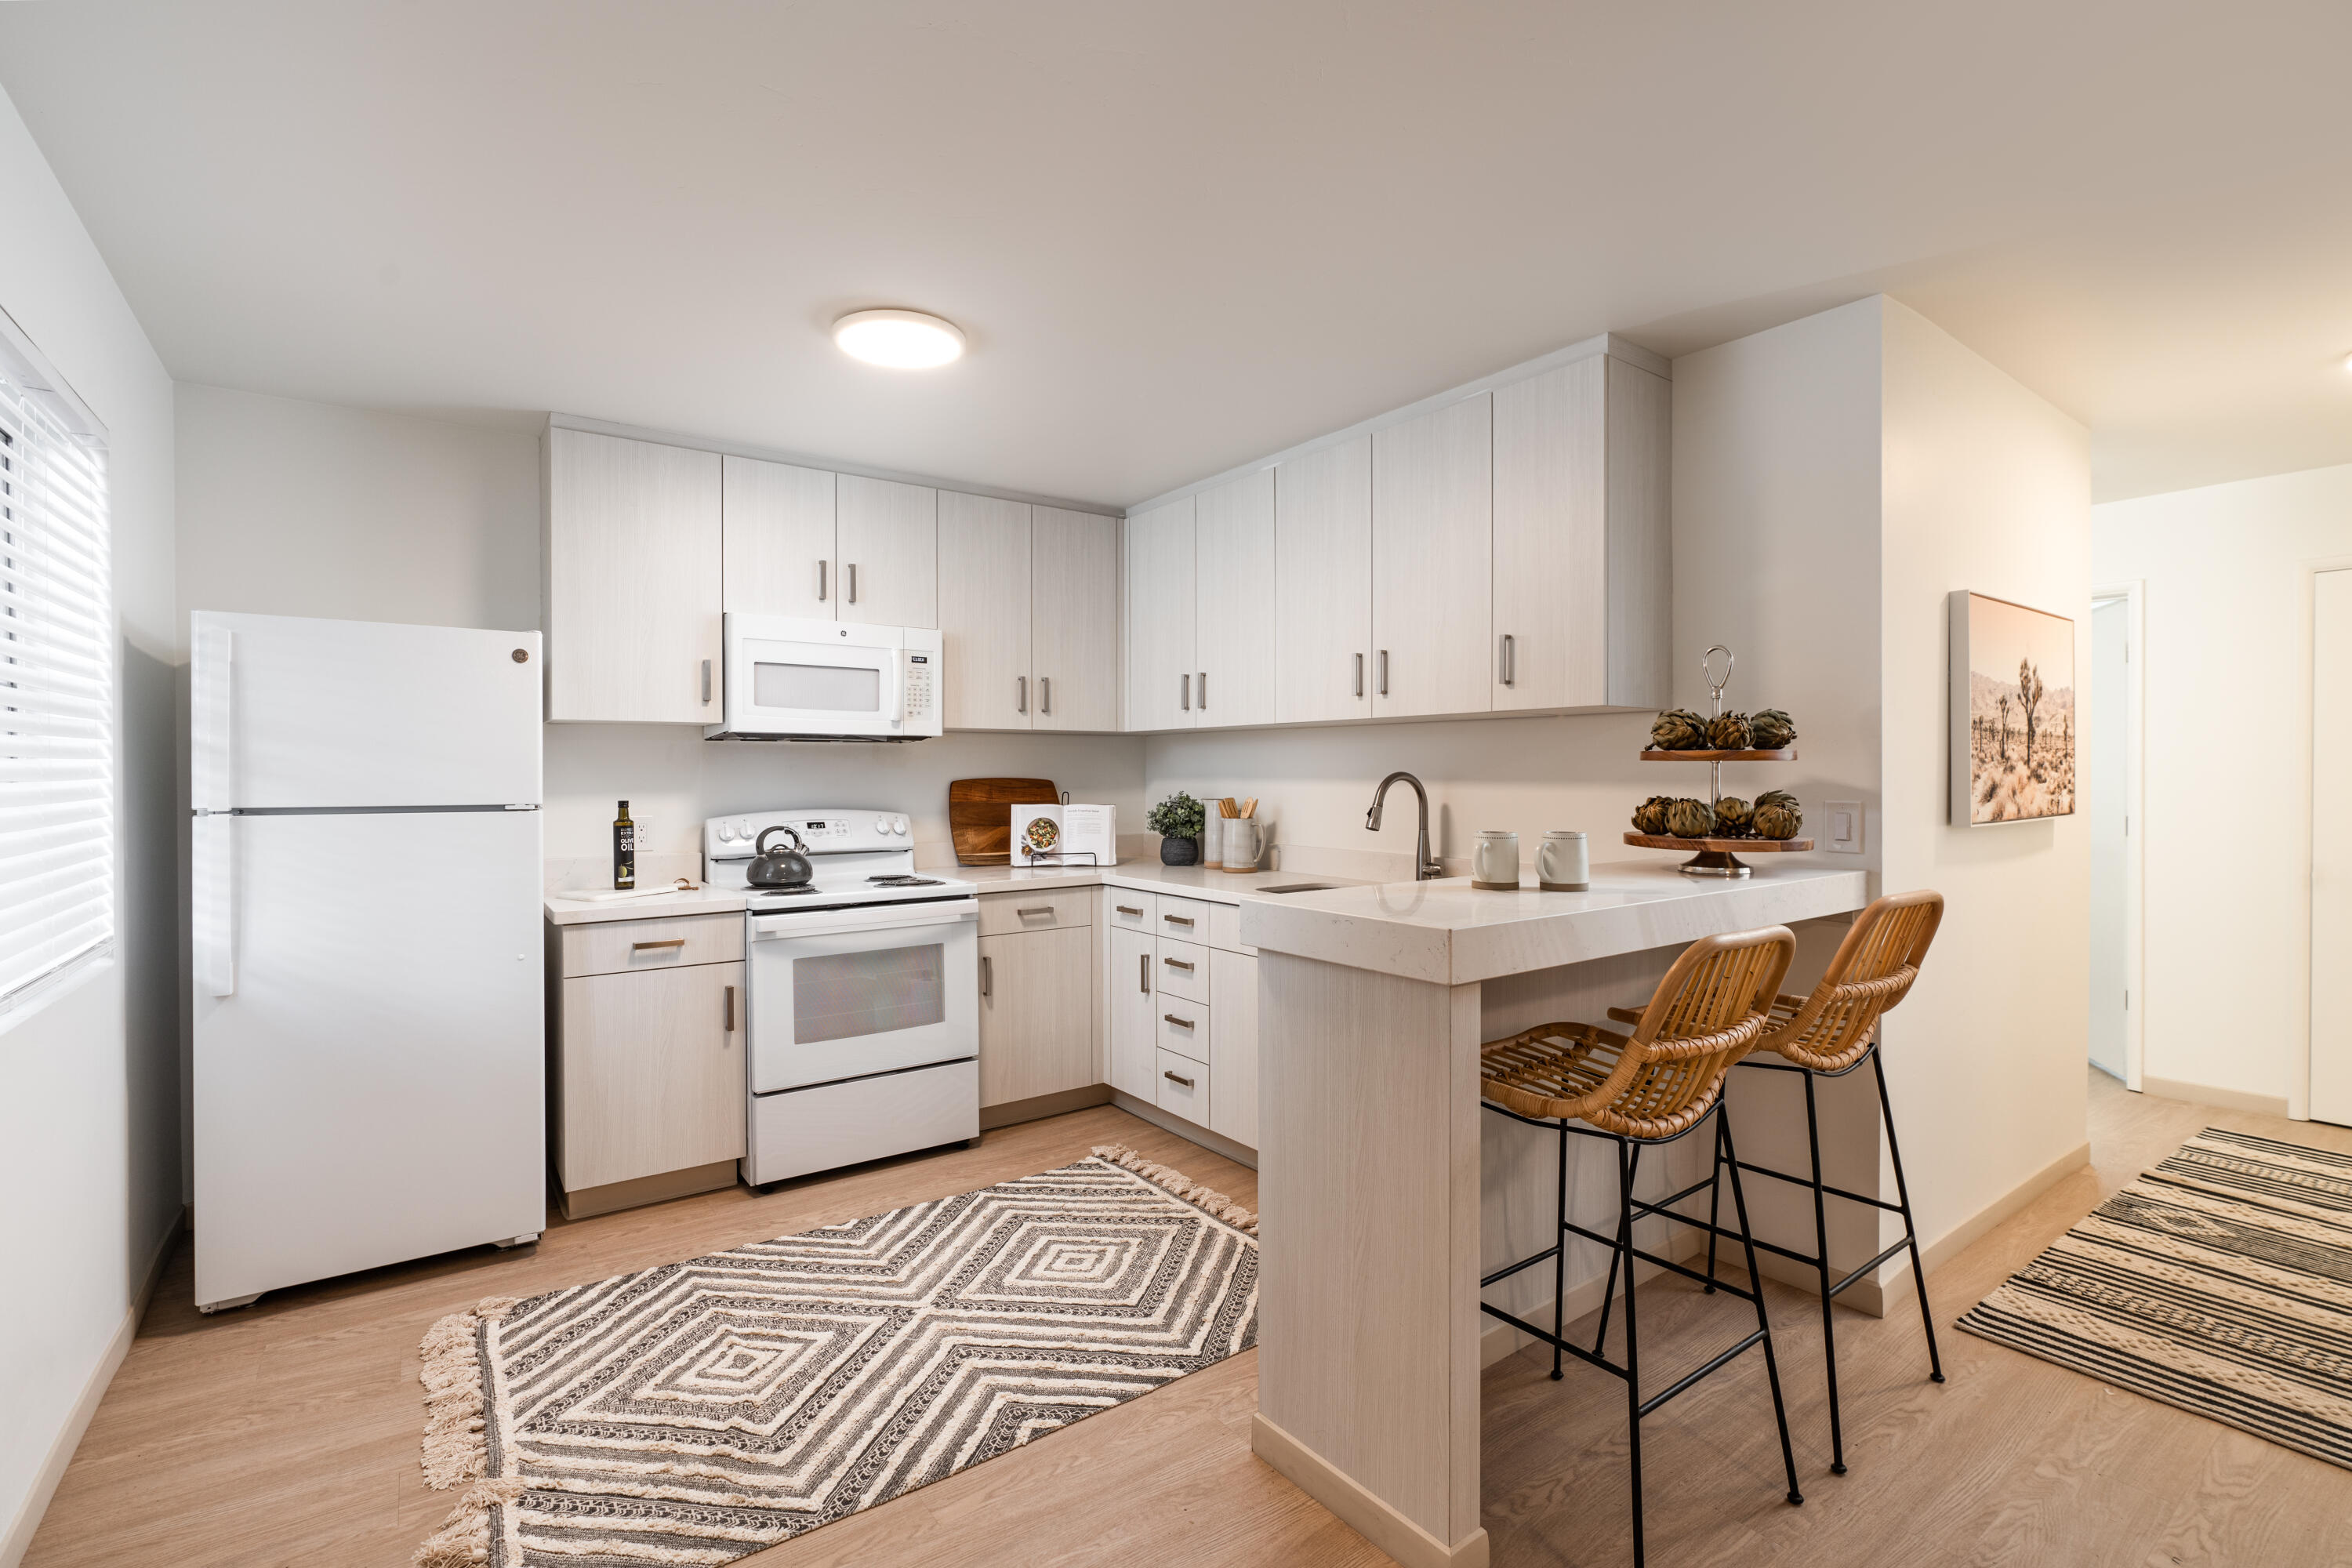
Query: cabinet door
1551	560
1233	1048
1433	561
1233	619
1323	584
1074	610
1159	667
652	1073
778	532
887	539
633	581
1134	1020
1037	1014
985	614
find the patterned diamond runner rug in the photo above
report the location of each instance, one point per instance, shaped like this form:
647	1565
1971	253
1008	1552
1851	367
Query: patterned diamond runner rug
2219	1282
700	1410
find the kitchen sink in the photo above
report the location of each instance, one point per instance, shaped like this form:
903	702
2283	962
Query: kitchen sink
1300	887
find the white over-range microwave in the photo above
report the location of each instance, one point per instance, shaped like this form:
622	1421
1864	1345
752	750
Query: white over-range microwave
791	680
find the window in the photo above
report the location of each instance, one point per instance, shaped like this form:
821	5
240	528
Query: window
57	685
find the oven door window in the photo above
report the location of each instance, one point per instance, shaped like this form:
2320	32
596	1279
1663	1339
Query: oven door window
845	996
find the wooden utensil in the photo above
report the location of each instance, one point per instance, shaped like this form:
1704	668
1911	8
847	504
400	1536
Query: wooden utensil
979	816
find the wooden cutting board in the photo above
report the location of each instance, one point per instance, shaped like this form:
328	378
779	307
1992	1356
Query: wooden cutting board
979	816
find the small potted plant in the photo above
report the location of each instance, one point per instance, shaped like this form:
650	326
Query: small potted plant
1178	820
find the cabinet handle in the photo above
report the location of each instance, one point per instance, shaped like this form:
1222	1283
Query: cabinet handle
1180	1023
1171	1077
1177	963
987	976
1044	694
1040	910
1510	658
851	570
1143	973
706	683
1178	920
650	946
1205	690
1359	675
1384	672
1129	909
731	1009
819	580
1187	698
1020	694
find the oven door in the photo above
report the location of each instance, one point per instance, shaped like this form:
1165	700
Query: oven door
813	678
845	994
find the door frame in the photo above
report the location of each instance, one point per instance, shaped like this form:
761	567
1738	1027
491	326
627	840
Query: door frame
2133	592
2306	616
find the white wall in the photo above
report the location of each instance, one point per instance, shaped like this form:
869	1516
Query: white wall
2220	565
88	1158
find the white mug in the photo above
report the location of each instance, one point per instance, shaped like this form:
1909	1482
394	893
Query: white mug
1242	842
1562	863
1495	863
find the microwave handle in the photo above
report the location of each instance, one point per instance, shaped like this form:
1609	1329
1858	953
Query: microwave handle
899	688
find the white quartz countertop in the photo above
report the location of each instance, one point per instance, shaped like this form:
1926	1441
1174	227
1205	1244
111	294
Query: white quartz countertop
1451	933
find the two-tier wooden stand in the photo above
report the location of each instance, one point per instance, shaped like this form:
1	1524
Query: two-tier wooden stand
1718	856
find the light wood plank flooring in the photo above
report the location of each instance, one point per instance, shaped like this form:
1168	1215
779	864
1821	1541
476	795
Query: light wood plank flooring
287	1433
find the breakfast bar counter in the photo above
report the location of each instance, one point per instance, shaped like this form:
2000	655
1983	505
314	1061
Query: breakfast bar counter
1373	1002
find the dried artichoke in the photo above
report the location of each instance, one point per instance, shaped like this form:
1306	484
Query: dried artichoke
1733	816
1689	819
1780	797
1678	729
1771	729
1650	816
1778	821
1730	732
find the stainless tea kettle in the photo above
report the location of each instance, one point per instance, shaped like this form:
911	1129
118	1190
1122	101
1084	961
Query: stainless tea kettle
780	867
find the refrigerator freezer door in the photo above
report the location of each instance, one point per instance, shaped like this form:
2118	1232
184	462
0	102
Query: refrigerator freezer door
373	1090
291	713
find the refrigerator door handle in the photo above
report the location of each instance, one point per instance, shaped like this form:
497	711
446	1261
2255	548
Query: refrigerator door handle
213	755
216	902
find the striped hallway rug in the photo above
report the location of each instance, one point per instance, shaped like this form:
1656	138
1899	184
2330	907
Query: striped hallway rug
2219	1282
700	1410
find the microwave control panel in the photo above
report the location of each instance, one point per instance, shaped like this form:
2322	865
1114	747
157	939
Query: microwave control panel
922	684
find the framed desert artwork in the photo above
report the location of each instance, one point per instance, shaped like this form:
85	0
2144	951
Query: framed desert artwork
2012	712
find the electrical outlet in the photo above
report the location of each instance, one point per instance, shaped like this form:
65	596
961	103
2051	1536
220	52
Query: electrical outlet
1842	826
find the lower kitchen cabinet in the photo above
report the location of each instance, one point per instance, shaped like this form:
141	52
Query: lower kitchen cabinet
1134	1020
1037	1014
1183	1088
1233	1048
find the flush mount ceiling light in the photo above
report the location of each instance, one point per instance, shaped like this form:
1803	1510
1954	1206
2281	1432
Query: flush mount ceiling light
901	340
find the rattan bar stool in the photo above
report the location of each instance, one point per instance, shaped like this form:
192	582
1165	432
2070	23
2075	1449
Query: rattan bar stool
1829	1034
1651	1087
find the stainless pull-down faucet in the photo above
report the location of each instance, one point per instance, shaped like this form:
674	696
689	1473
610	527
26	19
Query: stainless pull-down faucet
1424	866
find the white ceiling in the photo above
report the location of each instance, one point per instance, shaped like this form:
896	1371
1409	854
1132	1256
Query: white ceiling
1181	235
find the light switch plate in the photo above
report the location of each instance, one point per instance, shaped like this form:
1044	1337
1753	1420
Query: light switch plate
1842	826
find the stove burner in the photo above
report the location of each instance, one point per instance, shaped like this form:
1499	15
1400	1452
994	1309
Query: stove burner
784	892
904	881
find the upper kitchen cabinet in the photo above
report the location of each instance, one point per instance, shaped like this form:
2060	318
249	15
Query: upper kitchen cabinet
778	533
887	547
1581	574
1323	584
632	546
1160	610
986	618
1433	561
1073	619
1233	615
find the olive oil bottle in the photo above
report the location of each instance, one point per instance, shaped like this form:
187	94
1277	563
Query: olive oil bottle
625	850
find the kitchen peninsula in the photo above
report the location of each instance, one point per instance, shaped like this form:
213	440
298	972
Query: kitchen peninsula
1373	1002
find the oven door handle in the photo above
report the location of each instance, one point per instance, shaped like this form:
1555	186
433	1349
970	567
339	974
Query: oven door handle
775	928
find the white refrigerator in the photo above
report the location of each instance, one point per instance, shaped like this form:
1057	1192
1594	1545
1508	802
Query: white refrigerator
368	995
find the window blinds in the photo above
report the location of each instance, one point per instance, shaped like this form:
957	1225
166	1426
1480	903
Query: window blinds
56	693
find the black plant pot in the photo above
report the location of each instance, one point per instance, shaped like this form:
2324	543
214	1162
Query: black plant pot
1178	851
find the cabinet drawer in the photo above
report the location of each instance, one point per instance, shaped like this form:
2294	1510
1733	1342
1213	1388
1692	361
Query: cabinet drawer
1186	919
1183	968
1134	911
1000	914
1183	1088
617	947
1182	1028
1225	929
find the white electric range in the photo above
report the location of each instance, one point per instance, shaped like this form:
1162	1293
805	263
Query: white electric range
862	993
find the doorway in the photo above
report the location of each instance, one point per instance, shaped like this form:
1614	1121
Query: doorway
2111	793
2331	847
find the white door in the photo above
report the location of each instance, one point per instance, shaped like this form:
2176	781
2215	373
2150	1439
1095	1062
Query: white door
2331	847
1073	619
2107	756
1323	584
1160	576
1433	561
371	1090
887	536
777	539
1233	616
288	712
984	620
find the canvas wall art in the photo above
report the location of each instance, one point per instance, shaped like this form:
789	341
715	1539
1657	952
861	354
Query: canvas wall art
2012	712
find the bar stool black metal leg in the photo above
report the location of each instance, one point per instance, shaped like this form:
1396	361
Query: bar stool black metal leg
1559	1259
1756	1283
1821	1267
1715	1185
1629	1162
1910	1227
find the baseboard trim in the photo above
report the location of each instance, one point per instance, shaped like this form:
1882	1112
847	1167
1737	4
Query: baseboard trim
18	1539
1957	1239
637	1191
1359	1510
1192	1132
2207	1094
1036	1108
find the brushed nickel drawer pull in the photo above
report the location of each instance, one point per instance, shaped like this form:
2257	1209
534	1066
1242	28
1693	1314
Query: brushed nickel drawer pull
650	946
1040	910
706	683
1180	1023
1020	694
820	579
852	582
987	976
731	1009
1178	920
1143	973
1177	963
1171	1077
1046	691
1128	910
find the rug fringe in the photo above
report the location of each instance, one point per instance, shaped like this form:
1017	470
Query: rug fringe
1177	1183
464	1538
455	1448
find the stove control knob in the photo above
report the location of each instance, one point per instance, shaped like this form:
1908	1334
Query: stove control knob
881	824
743	828
726	833
899	827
